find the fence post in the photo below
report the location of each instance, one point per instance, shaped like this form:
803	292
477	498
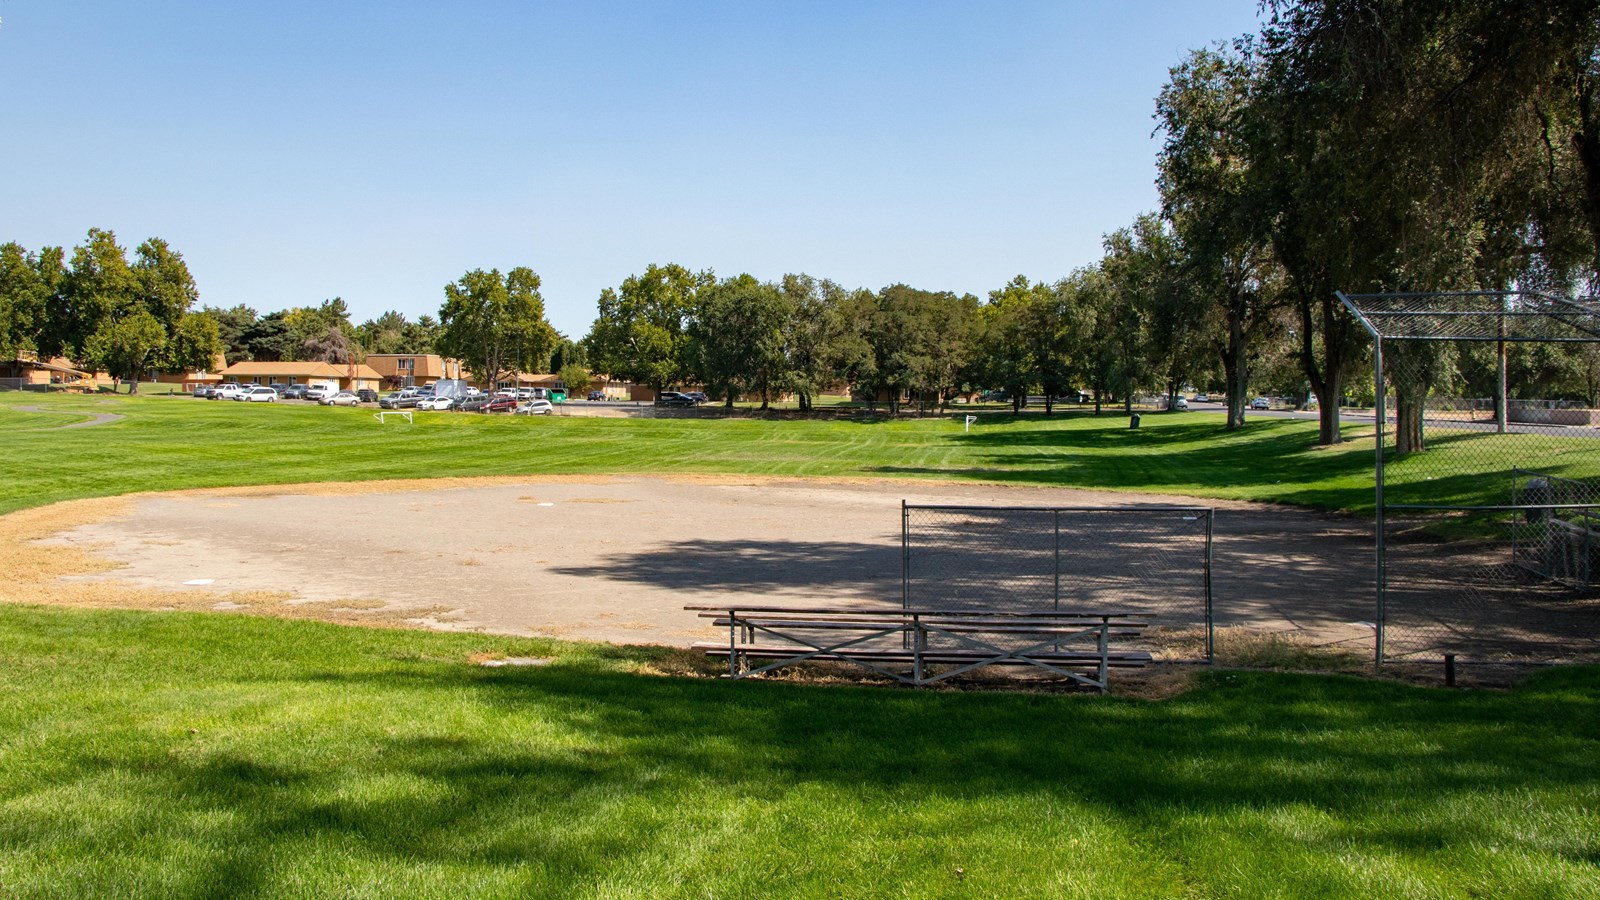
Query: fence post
1057	513
1380	418
905	556
1211	648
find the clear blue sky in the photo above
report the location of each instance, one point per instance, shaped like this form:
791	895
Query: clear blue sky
296	151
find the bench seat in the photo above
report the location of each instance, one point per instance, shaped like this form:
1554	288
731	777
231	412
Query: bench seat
934	644
933	656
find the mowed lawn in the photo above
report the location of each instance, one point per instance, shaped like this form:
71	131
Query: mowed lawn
182	755
176	442
179	755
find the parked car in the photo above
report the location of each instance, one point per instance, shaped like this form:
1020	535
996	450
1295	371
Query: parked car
320	393
1180	403
1260	403
697	396
343	398
673	398
229	391
367	395
293	392
428	401
258	394
499	404
398	400
535	408
1202	398
597	395
476	404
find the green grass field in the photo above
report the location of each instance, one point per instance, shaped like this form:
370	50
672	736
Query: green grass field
175	442
192	755
181	755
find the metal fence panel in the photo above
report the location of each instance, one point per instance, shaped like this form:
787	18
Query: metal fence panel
1137	559
1487	509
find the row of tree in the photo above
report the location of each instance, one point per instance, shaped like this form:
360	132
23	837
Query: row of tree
103	311
1378	146
1355	145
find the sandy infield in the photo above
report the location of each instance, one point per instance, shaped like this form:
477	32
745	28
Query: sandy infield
604	558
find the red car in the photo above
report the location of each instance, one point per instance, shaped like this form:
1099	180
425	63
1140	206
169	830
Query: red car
500	404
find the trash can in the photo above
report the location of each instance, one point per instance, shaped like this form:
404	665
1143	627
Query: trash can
1134	422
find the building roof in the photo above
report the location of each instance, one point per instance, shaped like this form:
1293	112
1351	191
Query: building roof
428	365
253	369
49	367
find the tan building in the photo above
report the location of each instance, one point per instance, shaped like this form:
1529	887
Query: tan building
398	370
342	376
28	372
192	380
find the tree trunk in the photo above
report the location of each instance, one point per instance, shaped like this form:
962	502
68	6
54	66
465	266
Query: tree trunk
1327	381
1410	401
1586	144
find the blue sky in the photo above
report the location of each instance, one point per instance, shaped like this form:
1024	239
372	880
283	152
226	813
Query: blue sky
296	151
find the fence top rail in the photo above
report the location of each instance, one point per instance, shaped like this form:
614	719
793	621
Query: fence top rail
1089	509
708	611
1505	507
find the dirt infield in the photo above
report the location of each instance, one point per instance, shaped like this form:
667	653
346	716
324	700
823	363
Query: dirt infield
615	559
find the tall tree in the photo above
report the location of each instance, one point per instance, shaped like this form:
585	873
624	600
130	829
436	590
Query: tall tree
736	338
641	332
1215	198
97	287
811	336
269	339
23	297
1388	123
166	289
495	323
195	344
1004	351
126	346
232	325
385	334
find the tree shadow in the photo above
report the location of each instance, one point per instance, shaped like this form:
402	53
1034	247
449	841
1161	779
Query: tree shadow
756	566
577	774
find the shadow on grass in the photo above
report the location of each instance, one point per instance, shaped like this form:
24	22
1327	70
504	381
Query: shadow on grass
332	756
642	748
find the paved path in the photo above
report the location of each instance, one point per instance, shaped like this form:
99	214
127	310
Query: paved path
95	419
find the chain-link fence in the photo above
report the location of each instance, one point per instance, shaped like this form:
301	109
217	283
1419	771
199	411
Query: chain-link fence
1488	509
1076	559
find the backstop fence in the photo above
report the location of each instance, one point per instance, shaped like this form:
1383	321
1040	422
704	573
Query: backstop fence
1487	514
1152	559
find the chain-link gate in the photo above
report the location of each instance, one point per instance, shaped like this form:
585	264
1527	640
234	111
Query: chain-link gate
1487	475
1084	559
